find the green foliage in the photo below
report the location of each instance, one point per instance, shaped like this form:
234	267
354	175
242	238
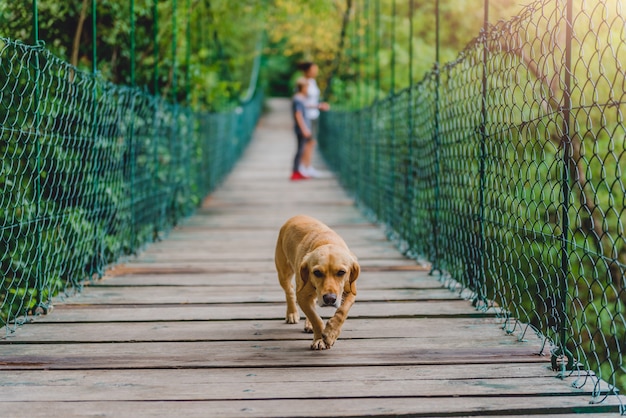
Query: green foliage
203	54
389	49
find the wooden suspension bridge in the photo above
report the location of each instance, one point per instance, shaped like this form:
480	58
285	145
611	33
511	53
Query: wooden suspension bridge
194	325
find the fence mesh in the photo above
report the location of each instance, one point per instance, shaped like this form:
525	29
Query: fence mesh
92	171
504	169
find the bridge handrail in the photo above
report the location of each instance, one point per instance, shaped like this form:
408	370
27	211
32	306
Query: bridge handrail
504	169
93	171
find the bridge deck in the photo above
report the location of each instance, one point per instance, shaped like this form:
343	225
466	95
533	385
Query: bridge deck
194	326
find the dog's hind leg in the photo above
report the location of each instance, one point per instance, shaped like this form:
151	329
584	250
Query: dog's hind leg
285	278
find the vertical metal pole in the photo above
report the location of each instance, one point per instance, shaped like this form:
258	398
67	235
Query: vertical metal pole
190	134
39	274
393	46
373	120
188	55
366	13
357	53
174	40
410	169
359	16
156	185
436	204
355	148
377	46
131	137
174	152
155	36
94	128
392	199
566	143
132	43
437	32
411	11
94	60
479	262
35	22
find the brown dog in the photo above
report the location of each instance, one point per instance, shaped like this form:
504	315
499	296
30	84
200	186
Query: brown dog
326	272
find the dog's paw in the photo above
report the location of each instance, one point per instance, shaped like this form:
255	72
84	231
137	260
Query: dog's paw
329	340
308	328
330	335
292	318
319	345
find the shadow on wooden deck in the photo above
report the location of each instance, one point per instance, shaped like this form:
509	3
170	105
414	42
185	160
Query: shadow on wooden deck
194	326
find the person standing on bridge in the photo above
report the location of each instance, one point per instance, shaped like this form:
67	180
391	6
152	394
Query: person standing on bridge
302	126
313	107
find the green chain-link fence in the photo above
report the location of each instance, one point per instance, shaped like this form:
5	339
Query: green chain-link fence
505	169
92	171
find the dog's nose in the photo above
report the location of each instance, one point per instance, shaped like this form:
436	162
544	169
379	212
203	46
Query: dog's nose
330	299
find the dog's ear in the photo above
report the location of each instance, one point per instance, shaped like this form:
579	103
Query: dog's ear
304	269
355	270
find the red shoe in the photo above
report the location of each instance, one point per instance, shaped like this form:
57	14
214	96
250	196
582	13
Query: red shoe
298	176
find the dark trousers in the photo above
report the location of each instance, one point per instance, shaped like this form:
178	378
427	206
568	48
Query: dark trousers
301	142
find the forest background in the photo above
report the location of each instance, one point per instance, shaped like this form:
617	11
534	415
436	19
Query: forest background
212	43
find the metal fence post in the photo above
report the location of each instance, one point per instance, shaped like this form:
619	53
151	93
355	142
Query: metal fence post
392	148
158	221
39	279
377	47
174	49
94	31
566	143
479	295
435	214
99	243
131	134
132	43
155	35
188	55
393	48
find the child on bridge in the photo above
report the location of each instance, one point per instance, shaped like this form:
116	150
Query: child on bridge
302	126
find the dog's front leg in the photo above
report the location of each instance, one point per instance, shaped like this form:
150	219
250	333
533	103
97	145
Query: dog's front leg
292	316
306	300
285	275
333	327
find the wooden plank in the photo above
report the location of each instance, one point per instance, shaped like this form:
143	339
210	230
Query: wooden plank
27	378
198	225
235	294
367	279
269	222
251	237
241	254
257	249
73	312
254	266
329	407
296	383
421	328
284	353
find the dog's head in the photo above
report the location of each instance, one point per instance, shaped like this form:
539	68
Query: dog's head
332	270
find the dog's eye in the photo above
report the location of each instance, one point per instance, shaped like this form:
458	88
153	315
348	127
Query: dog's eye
318	274
341	273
